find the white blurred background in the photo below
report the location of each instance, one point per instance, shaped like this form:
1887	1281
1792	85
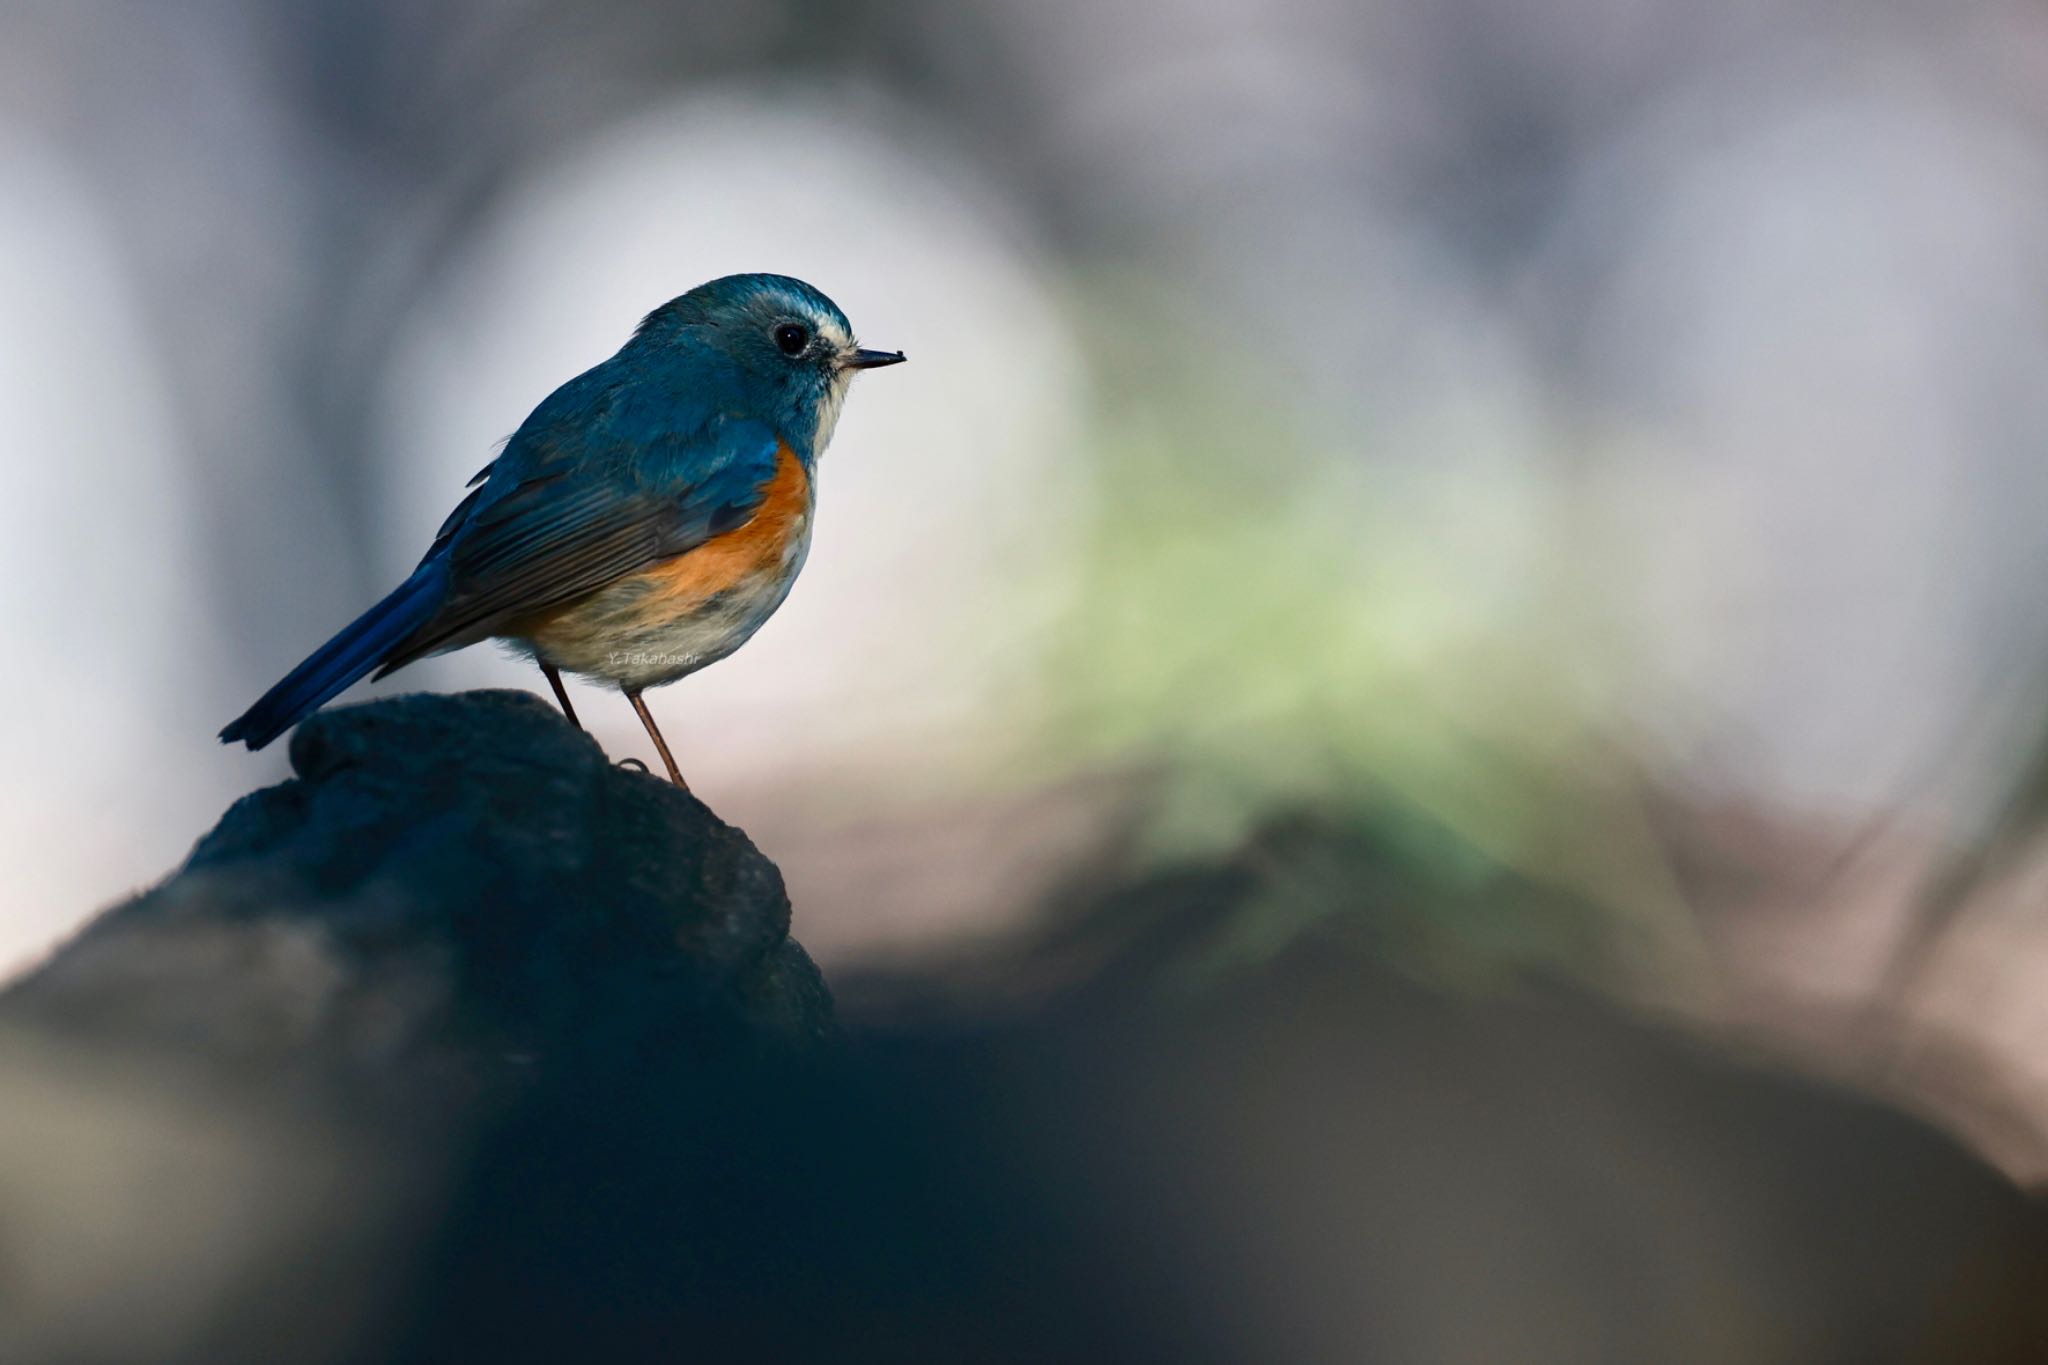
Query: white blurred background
1491	402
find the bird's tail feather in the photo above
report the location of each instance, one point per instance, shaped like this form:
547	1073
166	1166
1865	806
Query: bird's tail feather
359	647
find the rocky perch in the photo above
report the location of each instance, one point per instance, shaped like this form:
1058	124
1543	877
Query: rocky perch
457	909
457	881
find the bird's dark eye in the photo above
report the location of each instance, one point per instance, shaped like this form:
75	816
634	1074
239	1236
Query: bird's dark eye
792	337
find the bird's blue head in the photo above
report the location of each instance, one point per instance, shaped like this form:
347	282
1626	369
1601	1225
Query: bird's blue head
783	347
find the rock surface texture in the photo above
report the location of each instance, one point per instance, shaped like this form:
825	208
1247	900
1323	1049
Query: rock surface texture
457	907
447	875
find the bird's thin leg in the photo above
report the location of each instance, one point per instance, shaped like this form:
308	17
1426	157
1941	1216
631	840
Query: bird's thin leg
660	744
554	678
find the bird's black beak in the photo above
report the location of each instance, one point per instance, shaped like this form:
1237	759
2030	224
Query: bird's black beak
872	360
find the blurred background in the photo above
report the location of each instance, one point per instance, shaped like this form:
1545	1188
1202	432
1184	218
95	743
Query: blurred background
1587	454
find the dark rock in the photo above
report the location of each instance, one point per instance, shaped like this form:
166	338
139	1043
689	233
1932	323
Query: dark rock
235	1104
450	881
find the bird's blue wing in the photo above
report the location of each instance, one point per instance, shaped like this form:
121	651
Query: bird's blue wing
574	505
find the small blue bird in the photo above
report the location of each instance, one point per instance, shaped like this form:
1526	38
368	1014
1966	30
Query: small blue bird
643	522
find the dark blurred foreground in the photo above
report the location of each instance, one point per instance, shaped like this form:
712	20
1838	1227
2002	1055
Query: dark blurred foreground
468	1046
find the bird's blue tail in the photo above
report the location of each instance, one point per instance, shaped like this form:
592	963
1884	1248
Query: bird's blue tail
359	647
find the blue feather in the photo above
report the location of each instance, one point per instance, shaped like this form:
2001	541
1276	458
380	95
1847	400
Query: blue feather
359	647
